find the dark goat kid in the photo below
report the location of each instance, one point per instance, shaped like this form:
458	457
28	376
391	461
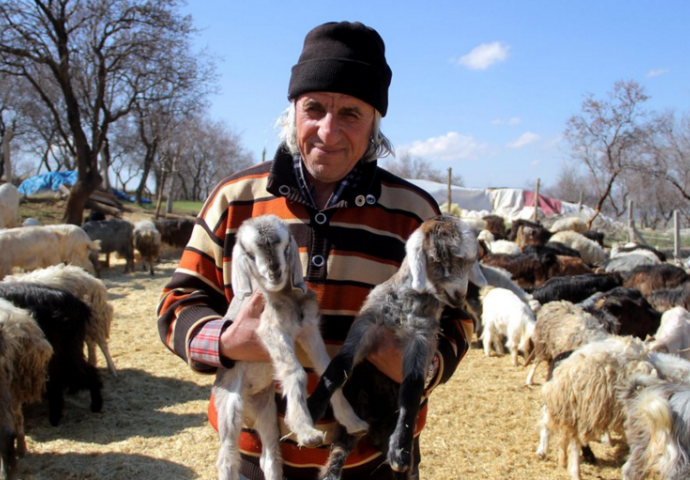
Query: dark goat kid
441	259
62	317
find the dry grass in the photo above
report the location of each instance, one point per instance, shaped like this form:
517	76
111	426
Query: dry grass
153	425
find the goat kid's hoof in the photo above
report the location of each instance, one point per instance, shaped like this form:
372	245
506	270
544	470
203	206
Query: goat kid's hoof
311	439
399	460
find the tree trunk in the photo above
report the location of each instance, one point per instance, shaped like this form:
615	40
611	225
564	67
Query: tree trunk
80	193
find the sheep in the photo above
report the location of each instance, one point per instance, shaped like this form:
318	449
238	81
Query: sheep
62	318
115	235
581	400
9	205
673	335
91	291
503	246
634	248
28	248
575	224
506	316
175	232
561	327
441	258
265	258
31	222
148	241
626	262
576	288
648	278
667	298
670	367
590	251
75	246
657	427
24	357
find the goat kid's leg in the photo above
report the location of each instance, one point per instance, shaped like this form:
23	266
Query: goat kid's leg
360	339
265	413
229	405
530	375
312	343
416	358
294	381
340	449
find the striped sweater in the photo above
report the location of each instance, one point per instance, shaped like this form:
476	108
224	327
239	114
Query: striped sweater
346	250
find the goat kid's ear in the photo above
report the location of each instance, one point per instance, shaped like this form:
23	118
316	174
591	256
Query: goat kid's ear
416	260
295	265
240	277
476	276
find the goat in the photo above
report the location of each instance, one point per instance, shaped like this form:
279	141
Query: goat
265	258
590	251
648	278
441	257
673	335
506	316
91	291
667	298
62	318
148	241
657	419
175	232
525	232
24	357
576	288
115	235
527	270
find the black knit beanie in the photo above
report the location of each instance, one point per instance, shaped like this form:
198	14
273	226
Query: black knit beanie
343	57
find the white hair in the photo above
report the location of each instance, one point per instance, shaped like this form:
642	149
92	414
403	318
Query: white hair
379	145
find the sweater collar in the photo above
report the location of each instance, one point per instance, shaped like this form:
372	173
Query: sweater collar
283	183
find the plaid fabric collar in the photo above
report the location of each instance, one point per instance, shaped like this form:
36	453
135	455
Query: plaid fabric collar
350	181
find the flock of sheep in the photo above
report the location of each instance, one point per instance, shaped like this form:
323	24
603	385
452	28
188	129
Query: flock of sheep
52	305
611	324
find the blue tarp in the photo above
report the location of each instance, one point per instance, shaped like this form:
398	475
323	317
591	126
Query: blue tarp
51	182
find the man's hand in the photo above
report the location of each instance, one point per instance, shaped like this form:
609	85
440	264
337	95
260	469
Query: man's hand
239	341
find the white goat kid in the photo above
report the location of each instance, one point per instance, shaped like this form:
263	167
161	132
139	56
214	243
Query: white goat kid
265	258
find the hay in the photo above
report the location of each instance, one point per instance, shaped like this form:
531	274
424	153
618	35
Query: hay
153	425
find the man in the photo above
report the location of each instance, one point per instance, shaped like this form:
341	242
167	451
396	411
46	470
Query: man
350	220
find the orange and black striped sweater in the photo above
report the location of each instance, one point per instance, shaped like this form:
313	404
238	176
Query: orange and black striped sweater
346	250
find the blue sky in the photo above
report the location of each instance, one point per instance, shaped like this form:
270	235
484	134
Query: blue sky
482	87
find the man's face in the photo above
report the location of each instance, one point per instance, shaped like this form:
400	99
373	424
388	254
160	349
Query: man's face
333	133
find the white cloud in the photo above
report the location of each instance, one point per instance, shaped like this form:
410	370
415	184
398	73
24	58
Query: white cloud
451	146
656	73
525	139
484	55
510	121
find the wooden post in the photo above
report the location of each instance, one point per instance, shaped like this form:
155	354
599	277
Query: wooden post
160	196
450	197
676	237
631	223
6	154
535	215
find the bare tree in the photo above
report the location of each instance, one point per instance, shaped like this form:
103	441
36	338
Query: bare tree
99	55
411	167
670	152
607	137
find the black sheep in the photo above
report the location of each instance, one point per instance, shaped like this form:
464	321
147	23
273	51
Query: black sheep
62	317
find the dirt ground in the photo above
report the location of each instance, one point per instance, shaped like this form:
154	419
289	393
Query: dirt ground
482	424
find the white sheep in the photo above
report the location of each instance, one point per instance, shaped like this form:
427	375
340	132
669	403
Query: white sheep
561	327
24	357
504	246
9	205
657	427
673	335
147	239
88	289
575	224
75	246
28	248
505	316
590	251
265	258
581	400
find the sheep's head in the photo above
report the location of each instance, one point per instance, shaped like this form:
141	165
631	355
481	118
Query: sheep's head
266	253
442	256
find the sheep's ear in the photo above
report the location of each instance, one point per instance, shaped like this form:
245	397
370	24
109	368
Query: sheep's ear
416	260
241	280
295	265
476	276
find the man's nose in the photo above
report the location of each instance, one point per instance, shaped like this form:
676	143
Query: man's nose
329	128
